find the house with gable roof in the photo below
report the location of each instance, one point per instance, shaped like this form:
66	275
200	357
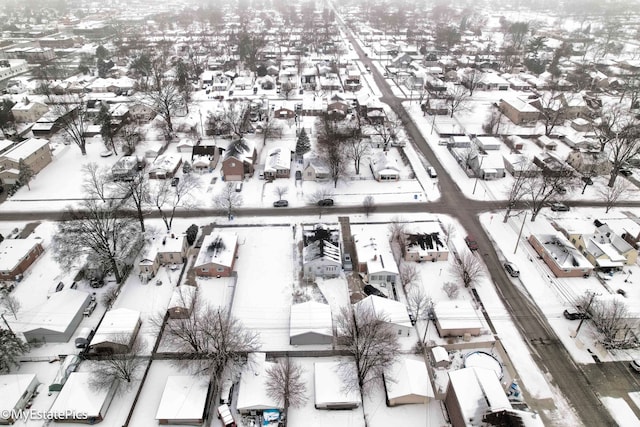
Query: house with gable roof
238	164
34	152
407	381
217	255
321	253
392	312
278	163
384	168
16	255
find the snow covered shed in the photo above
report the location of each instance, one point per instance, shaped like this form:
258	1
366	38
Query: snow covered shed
57	319
183	400
407	382
252	391
392	312
181	302
117	331
329	388
79	401
457	318
440	357
16	391
310	323
472	393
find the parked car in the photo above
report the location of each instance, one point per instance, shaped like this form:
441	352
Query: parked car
83	338
325	202
175	181
432	172
89	309
280	204
511	269
559	207
625	172
471	243
372	290
635	365
573	314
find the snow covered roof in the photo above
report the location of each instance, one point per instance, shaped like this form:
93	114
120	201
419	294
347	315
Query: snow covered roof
329	386
184	398
252	393
376	253
165	163
277	159
390	310
79	397
564	254
223	246
457	314
12	387
57	313
408	377
117	323
478	391
12	251
440	354
25	149
310	316
182	296
322	249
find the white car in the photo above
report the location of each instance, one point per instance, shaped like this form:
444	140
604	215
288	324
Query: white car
635	365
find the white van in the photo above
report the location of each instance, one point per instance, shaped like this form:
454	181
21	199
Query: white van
432	172
239	187
83	338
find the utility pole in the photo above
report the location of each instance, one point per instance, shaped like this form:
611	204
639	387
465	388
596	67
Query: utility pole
520	233
7	323
584	314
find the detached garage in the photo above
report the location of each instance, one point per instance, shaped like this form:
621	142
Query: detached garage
329	388
57	319
79	401
16	390
310	323
183	400
408	382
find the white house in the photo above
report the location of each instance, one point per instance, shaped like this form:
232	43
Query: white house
310	323
183	400
79	401
384	168
457	318
252	391
117	331
16	391
392	312
376	260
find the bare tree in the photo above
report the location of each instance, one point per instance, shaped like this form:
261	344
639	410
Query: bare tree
318	196
167	198
165	100
96	228
397	238
210	339
357	149
280	191
492	124
372	343
409	275
233	119
135	191
270	130
452	289
25	173
552	110
72	113
129	136
467	268
458	99
546	187
449	230
10	303
368	205
519	188
471	79
286	386
95	181
122	367
612	319
611	195
334	154
11	348
387	131
228	199
419	303
619	133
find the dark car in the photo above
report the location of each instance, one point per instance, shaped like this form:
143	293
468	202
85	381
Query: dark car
559	207
372	290
471	242
280	204
175	181
626	172
325	202
511	269
573	314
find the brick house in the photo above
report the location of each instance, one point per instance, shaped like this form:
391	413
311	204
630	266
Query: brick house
16	255
217	255
34	152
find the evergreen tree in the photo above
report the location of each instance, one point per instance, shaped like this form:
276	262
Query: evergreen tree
11	348
25	173
104	120
303	145
192	233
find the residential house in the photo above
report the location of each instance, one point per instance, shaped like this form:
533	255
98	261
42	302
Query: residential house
57	318
16	391
252	390
80	401
546	143
603	248
183	400
590	162
384	168
140	112
16	255
560	255
551	164
457	318
278	163
375	259
330	81
487	143
487	166
425	243
205	155
182	301
237	164
329	388
407	381
321	253
28	112
165	166
217	255
492	81
316	170
125	168
393	312
337	110
284	113
518	111
34	152
310	323
169	249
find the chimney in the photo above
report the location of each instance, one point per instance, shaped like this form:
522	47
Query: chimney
164	241
172	236
375	257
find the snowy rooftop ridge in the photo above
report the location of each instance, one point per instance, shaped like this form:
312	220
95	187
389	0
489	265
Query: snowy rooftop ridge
57	312
222	244
183	398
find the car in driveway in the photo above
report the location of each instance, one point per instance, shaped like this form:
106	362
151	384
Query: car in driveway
372	290
471	242
574	314
280	203
511	269
635	365
559	207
